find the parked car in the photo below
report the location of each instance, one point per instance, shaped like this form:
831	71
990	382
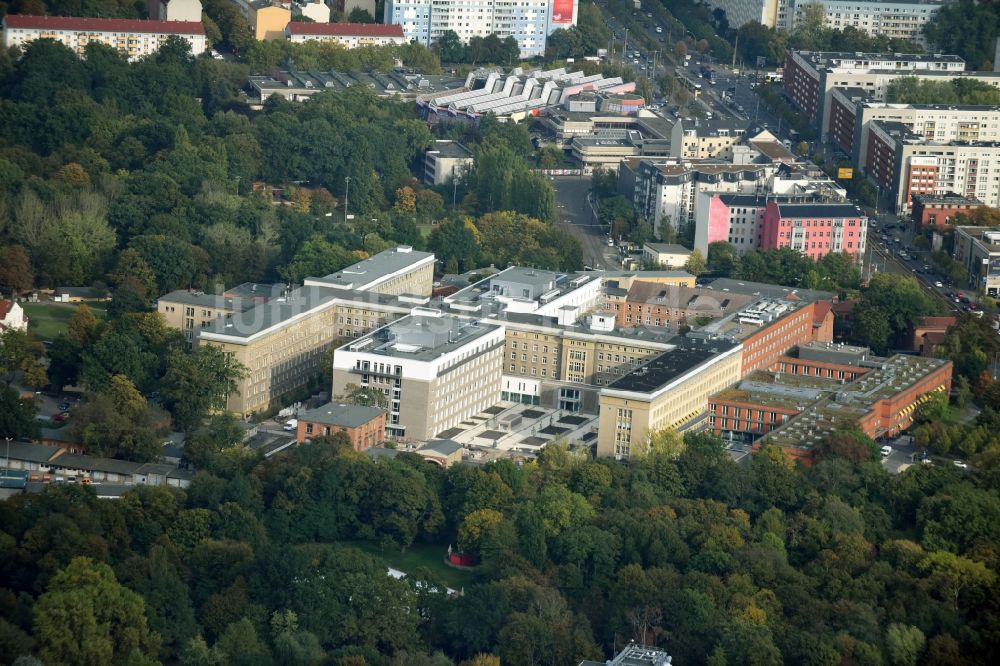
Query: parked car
290	425
60	417
64	406
961	464
886	451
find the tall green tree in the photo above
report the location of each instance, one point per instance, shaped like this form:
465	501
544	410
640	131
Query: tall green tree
199	382
86	617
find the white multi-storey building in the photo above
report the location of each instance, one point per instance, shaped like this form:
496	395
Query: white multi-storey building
903	19
894	18
349	35
436	370
134	39
904	163
740	12
174	10
528	21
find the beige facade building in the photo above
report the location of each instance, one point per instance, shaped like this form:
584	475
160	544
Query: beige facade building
436	370
282	340
446	161
668	392
191	311
701	139
401	270
665	255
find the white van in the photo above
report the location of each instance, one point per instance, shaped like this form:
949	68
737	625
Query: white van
886	451
291	424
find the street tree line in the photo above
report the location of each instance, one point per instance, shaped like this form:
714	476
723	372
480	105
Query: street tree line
716	562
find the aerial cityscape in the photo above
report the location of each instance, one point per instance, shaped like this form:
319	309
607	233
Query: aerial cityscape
480	333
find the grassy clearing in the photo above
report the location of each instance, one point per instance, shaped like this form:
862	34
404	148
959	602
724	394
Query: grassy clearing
429	556
47	320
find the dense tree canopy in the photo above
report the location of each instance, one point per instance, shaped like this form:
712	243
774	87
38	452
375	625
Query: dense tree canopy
683	548
911	90
968	29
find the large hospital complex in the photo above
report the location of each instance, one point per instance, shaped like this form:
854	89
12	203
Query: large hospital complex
621	354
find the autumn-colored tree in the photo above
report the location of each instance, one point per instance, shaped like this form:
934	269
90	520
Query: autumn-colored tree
301	198
74	174
406	201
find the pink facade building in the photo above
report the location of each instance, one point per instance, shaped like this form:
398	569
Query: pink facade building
815	229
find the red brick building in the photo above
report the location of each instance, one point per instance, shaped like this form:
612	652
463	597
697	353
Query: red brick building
843	116
796	402
801	80
662	305
928	332
799	327
364	425
938	210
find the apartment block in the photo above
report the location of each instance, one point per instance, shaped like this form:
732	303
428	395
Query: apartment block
852	111
770	13
739	219
267	19
978	250
935	123
348	35
528	22
804	398
316	10
667	392
815	229
669	189
436	370
896	19
939	210
701	139
810	75
134	39
906	164
174	10
363	425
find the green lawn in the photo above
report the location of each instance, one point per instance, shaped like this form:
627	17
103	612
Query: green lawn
47	319
417	556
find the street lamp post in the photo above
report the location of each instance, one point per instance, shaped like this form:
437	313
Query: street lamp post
347	191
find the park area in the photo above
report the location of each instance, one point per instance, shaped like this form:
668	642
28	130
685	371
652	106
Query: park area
47	319
416	557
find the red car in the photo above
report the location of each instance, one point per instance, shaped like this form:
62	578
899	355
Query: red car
60	417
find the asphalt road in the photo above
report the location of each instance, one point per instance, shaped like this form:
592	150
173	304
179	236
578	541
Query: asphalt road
575	213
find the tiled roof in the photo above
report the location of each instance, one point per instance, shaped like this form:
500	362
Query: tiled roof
346	29
927	322
103	24
822	309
